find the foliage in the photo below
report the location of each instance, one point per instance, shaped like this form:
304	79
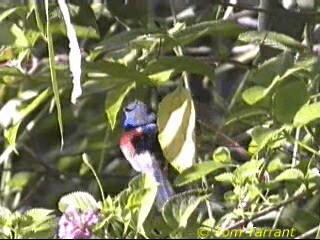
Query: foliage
256	167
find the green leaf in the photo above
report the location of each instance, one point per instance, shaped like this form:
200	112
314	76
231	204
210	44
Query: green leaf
307	114
213	28
313	177
197	171
39	99
101	84
115	41
225	177
82	18
179	64
161	77
176	122
129	14
53	75
78	200
290	174
135	202
177	210
39	214
271	68
262	137
6	218
143	191
118	70
254	94
20	180
9	71
288	99
273	39
81	31
37	223
11	34
275	165
248	170
39	10
245	113
114	101
19	11
222	155
12	132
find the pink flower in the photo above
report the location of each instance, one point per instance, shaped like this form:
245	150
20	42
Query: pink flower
75	224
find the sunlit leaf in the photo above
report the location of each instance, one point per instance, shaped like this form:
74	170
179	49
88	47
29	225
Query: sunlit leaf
275	165
254	94
6	218
248	170
225	177
39	214
290	174
161	77
37	223
307	114
78	200
176	122
222	155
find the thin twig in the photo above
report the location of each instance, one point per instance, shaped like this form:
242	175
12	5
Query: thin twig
243	222
230	142
295	148
309	233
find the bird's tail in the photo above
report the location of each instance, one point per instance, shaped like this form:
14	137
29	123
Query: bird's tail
165	190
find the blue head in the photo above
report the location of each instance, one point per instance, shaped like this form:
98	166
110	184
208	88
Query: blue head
137	114
138	117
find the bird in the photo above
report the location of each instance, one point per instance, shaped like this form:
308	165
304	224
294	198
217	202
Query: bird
139	145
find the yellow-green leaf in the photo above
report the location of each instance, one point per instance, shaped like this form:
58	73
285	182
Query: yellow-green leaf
254	94
290	174
176	122
222	155
307	114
